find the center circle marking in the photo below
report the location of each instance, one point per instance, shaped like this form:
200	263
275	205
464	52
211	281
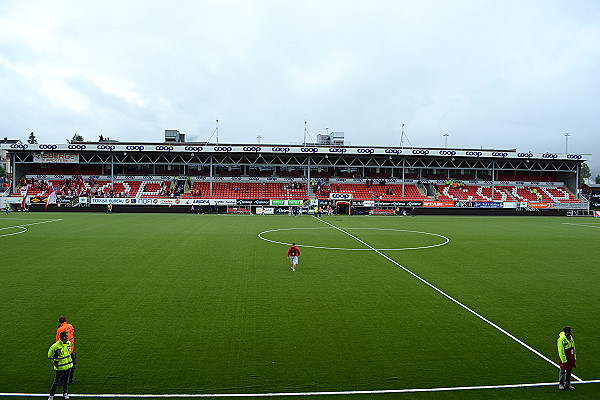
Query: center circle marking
446	240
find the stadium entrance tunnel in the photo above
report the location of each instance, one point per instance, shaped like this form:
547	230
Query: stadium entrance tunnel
343	207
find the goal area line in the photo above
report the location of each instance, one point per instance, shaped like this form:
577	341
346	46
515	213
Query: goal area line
283	394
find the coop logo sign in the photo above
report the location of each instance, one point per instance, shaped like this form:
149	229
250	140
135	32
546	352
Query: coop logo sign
225	149
19	146
423	152
164	148
499	154
309	150
393	151
48	147
340	196
474	153
549	155
134	148
109	147
76	147
280	149
365	151
574	156
447	152
525	155
254	149
337	150
193	148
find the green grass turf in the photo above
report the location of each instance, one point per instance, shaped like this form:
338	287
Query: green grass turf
175	303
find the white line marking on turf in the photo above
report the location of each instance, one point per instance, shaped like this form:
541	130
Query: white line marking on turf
15	233
586	225
446	240
283	394
451	298
22	226
28	219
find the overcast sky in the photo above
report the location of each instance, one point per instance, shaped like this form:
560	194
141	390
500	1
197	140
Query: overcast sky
502	74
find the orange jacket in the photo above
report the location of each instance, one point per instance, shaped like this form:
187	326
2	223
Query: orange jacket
65	326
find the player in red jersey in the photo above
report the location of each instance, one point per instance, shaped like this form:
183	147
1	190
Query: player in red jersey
293	253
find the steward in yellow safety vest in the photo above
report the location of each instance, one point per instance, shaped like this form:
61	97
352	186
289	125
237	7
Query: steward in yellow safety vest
566	354
60	354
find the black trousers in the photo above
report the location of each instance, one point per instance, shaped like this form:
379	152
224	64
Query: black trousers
72	369
61	378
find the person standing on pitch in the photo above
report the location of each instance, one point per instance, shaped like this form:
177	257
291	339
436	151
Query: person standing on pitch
566	354
60	353
293	253
64	326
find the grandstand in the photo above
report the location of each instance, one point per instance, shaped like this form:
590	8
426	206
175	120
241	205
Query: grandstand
363	178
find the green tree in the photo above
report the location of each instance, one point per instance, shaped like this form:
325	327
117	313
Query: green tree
585	171
598	179
32	139
77	138
2	172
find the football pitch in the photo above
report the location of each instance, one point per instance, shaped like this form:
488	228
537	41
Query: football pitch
379	307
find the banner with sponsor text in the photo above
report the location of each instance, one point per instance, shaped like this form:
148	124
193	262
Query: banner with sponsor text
161	201
52	158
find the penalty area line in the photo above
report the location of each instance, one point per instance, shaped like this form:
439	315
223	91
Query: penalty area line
283	394
446	295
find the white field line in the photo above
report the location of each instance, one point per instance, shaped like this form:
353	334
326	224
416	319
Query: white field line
22	226
451	298
283	394
28	219
586	225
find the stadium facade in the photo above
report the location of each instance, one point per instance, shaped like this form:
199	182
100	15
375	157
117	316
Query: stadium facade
246	177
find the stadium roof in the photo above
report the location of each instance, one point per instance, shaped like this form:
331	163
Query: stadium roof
205	147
